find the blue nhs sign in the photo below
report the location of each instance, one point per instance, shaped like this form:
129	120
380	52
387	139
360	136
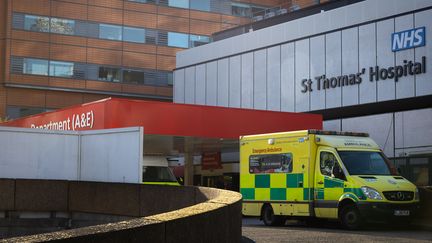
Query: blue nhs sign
408	39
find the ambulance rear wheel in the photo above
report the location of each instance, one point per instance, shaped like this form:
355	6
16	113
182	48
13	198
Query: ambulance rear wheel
269	218
350	217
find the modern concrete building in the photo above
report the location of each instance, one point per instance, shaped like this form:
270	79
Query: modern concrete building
56	53
365	67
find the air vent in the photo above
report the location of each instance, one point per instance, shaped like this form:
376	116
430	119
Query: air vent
368	177
398	177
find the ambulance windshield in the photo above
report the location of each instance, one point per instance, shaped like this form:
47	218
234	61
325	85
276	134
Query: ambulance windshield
365	163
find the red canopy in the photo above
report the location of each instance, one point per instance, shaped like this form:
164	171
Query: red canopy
162	118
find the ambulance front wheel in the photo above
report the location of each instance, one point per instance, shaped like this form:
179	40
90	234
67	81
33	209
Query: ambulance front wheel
350	217
269	218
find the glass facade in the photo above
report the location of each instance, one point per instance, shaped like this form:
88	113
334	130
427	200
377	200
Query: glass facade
35	66
62	26
134	35
74	70
13	112
61	69
108	31
36	23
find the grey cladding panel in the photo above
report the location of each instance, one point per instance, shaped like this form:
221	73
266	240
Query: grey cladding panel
260	80
317	69
247	80
190	85
287	77
223	83
367	58
405	85
200	84
333	69
385	58
350	65
234	81
273	78
179	85
211	83
301	72
423	81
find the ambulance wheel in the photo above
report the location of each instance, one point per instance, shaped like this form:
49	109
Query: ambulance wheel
269	218
350	217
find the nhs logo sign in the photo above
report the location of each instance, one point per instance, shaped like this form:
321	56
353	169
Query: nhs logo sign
408	39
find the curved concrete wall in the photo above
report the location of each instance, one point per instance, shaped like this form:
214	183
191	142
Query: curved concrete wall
164	213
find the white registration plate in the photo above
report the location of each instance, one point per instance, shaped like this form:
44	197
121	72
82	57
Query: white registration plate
401	212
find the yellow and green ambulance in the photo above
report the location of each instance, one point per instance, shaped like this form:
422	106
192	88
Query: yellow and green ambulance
318	174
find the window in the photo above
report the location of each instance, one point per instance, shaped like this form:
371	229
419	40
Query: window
61	69
36	23
178	40
110	32
198	40
239	9
327	162
134	34
271	163
203	5
35	66
109	74
13	112
178	3
133	77
365	163
62	26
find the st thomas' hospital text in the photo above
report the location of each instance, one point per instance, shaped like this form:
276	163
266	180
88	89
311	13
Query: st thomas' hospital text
408	68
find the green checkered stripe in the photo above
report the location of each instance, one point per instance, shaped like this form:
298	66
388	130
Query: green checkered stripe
285	187
292	188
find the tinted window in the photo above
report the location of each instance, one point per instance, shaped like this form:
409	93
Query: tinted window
110	32
158	174
327	162
134	34
62	26
198	40
35	66
13	112
109	74
239	9
271	163
36	23
179	3
133	77
178	40
61	69
365	163
203	5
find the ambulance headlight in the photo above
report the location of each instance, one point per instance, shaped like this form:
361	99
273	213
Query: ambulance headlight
416	194
371	193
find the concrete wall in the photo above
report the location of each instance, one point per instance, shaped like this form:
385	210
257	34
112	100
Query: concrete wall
178	214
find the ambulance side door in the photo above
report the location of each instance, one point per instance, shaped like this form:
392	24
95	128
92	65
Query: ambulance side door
329	183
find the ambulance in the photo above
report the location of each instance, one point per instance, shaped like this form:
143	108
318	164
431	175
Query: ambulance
314	174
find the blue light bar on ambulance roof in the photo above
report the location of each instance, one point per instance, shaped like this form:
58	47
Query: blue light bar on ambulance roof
320	132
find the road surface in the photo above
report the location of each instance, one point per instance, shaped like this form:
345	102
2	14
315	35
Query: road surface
255	231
